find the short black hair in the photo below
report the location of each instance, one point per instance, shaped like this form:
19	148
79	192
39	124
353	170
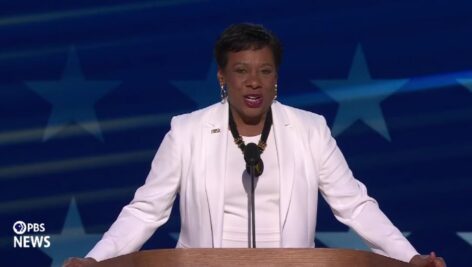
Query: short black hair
244	36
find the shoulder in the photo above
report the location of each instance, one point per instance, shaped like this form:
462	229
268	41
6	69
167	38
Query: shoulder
301	118
195	118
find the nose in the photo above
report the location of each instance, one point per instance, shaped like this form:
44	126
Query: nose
253	80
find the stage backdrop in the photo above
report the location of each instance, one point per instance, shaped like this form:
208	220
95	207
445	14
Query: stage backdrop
88	88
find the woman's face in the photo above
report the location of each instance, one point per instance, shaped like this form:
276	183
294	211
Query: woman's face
250	77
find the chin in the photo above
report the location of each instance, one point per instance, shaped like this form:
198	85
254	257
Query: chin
254	113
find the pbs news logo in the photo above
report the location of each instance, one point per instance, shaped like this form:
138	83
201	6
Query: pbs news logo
20	240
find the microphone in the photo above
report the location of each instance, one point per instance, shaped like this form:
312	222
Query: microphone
252	156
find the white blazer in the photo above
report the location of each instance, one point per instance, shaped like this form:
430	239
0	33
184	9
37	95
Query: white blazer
191	162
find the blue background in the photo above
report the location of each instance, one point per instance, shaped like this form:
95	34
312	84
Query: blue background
87	90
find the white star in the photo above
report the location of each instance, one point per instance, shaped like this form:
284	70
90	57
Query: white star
360	96
467	236
73	241
345	239
466	83
202	92
72	98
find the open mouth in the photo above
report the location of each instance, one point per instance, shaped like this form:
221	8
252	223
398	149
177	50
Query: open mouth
253	100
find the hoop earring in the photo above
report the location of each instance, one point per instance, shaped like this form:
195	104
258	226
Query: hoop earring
275	90
223	93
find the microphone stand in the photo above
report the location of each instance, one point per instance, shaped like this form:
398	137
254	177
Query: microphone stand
253	208
252	156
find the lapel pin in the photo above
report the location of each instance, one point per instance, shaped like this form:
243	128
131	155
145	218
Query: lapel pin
217	130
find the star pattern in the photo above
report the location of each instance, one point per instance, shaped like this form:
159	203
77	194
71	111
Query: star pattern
360	97
202	92
344	239
420	100
466	83
72	98
73	241
467	236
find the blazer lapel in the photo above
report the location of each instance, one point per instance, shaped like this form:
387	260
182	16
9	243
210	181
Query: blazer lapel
215	138
284	137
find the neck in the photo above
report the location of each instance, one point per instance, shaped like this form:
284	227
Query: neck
249	127
250	130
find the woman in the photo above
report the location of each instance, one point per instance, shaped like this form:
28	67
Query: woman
201	159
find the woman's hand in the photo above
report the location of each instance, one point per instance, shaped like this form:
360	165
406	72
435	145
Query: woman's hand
78	262
428	260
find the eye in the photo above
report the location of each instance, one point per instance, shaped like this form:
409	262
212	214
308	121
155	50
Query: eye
240	70
266	71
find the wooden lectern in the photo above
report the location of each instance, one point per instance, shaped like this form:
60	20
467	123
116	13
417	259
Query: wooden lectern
225	257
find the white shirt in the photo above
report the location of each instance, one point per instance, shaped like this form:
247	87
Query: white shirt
267	200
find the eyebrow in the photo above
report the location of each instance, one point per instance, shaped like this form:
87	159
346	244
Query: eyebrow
263	65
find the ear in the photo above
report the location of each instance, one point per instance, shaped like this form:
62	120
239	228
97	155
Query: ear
220	76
